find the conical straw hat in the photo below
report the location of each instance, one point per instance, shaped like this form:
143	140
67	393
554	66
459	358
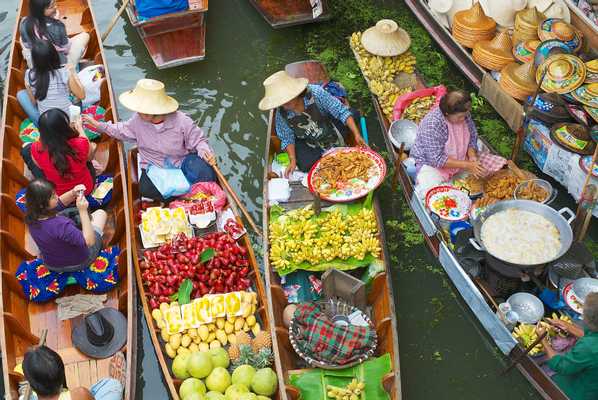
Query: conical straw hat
149	97
503	12
386	39
494	54
552	8
528	18
561	73
281	88
475	19
519	80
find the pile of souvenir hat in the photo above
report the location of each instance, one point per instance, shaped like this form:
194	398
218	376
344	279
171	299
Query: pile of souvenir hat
524	51
518	80
563	73
554	28
494	54
587	94
549	108
386	39
471	26
552	8
592	71
573	137
526	24
503	12
549	48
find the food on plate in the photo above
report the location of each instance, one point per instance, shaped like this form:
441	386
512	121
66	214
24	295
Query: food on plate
484	201
501	186
418	108
532	191
341	169
526	335
159	225
470	183
353	390
520	237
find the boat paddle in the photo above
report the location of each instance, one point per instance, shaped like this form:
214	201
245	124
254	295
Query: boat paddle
236	199
527	350
114	19
42	342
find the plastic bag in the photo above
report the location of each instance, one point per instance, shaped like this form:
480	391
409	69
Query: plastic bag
170	182
405	100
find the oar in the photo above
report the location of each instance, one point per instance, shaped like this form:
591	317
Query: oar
364	130
527	350
584	225
236	199
114	19
42	342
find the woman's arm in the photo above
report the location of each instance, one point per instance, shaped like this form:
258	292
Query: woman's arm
86	227
75	84
195	138
81	393
292	160
125	130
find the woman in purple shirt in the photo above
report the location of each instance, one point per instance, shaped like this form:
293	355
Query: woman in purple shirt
166	138
62	246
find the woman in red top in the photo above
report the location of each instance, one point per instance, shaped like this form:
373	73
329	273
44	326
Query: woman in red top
62	155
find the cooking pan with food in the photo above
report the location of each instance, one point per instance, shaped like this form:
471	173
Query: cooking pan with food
533	210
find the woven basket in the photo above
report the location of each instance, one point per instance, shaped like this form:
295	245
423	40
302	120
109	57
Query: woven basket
331	308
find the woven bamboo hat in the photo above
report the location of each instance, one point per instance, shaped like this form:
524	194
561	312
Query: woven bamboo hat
149	97
281	88
562	73
519	80
503	12
587	94
593	111
526	24
554	28
549	48
472	25
592	71
494	54
386	39
525	51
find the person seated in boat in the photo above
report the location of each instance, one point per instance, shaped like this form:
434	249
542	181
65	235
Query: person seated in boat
62	246
446	142
62	155
44	370
309	120
48	84
577	369
43	23
166	138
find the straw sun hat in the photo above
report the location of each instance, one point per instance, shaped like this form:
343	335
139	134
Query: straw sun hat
561	73
386	39
494	54
149	97
472	25
281	88
519	80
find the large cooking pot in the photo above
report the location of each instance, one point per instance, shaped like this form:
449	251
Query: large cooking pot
556	217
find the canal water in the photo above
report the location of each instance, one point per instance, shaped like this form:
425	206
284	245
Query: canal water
444	352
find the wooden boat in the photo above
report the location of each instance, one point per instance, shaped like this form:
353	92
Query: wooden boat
173	39
475	292
280	14
22	321
380	296
137	249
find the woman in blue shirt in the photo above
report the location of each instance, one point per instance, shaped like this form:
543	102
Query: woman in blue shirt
309	120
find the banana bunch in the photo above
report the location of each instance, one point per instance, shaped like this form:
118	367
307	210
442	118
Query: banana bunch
353	391
380	72
551	329
298	237
526	335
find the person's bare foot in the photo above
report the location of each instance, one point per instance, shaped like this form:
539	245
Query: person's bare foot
118	367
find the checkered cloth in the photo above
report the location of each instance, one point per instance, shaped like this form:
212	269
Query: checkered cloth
322	340
491	162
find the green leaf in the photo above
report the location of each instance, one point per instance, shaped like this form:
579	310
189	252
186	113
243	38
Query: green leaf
184	294
174	296
207	255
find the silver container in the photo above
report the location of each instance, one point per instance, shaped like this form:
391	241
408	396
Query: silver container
556	217
584	286
403	131
552	192
528	307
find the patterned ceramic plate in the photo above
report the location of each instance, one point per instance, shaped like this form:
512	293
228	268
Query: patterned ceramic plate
343	191
584	164
448	202
571	300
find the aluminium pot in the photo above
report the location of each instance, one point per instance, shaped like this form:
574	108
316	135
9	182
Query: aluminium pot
556	217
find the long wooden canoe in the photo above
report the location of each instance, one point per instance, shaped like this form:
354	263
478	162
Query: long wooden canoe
173	39
380	296
137	250
22	321
284	13
474	292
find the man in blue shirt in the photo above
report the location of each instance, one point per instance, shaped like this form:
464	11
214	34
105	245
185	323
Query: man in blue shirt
309	120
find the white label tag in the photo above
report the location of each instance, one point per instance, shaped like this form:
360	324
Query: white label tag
316	8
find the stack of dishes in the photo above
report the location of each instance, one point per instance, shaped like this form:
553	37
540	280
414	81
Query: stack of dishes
592	71
518	80
526	24
471	26
554	28
524	51
562	73
494	54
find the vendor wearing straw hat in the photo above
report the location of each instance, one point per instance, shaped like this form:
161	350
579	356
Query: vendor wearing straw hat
309	120
163	135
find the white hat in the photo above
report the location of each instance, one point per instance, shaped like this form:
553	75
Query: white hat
149	97
558	10
281	88
458	5
386	39
439	9
503	13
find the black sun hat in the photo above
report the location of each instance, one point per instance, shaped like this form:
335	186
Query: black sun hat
100	334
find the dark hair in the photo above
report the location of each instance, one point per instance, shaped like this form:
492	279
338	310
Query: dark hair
46	61
36	21
37	197
455	102
44	370
55	132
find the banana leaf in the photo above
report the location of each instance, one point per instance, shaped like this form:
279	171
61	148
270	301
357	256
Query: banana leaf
312	383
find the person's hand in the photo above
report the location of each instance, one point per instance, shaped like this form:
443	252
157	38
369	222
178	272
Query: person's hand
70	68
80	188
82	203
473	157
209	158
292	166
476	168
90	120
559	324
77	125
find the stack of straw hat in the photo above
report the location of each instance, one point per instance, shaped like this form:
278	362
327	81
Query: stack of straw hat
471	26
526	24
519	80
494	54
553	28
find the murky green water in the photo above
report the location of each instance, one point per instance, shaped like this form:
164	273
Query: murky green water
444	353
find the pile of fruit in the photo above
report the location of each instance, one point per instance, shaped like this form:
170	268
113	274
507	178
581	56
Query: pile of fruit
214	263
526	335
418	108
299	236
351	392
206	377
158	225
381	72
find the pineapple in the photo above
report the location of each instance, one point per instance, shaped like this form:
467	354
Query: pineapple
262	340
243	338
233	352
